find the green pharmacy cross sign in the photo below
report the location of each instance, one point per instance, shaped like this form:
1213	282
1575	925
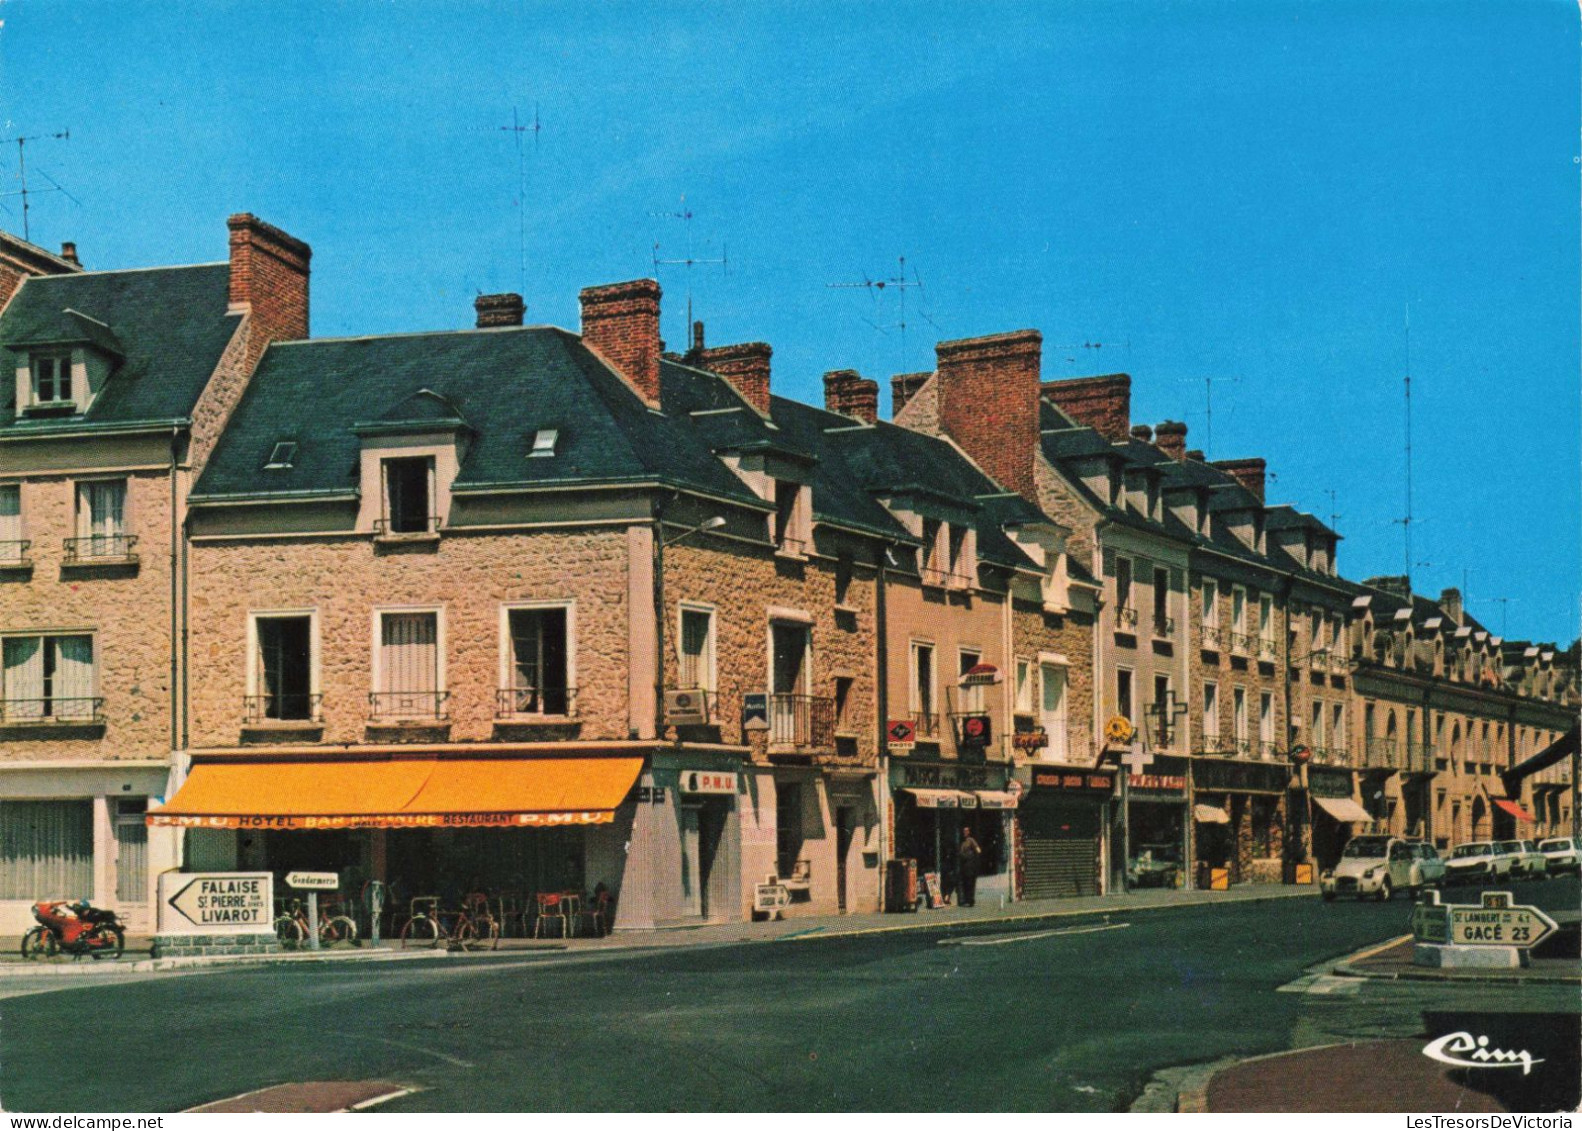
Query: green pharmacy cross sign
1497	921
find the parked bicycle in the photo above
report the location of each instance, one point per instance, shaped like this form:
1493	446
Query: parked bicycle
471	928
293	929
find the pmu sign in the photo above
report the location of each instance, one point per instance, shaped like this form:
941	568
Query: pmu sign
1496	921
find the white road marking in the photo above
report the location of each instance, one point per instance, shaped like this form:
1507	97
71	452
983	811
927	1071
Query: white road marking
458	1062
1001	940
377	1100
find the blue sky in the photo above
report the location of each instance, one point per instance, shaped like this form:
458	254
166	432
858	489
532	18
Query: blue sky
1249	192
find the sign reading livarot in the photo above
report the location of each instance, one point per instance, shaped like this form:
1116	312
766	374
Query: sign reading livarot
216	903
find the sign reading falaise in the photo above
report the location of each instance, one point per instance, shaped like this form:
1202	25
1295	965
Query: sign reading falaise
216	902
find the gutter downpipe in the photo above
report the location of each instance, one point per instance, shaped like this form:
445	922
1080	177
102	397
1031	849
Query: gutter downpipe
882	703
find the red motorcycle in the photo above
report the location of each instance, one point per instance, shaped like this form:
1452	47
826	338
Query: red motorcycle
73	927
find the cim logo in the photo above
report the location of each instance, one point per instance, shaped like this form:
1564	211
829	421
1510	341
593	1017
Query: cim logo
1464	1050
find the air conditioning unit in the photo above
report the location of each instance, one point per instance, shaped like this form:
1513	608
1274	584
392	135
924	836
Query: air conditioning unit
686	708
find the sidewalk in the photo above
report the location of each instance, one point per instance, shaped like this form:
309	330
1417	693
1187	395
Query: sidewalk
136	959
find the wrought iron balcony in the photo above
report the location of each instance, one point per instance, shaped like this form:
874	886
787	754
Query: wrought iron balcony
788	547
801	720
1126	615
944	578
1267	750
927	724
1164	626
1242	643
281	708
1211	743
1419	757
1266	648
1211	637
1383	753
52	710
407	706
13	554
101	548
520	702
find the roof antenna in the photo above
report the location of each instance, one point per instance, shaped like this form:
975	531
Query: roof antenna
24	191
1208	407
519	128
898	282
1333	516
1406	521
689	261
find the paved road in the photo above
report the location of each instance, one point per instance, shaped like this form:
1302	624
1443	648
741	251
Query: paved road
1063	1017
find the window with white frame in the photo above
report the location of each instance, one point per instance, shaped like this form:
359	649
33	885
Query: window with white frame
923	700
1124	707
101	520
1315	736
46	846
538	660
51	378
1126	610
969	697
793	529
1238	618
409	681
1210	610
1053	710
697	648
11	548
1238	699
1266	724
48	678
1163	717
1164	624
1265	624
1337	727
1211	736
283	677
1024	687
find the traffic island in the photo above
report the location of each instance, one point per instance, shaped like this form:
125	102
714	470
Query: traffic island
214	946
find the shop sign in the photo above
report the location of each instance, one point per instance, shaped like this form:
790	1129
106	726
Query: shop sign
1068	780
755	711
945	775
1241	777
980	675
393	820
901	734
1030	740
975	730
1325	781
216	903
650	795
1162	783
708	781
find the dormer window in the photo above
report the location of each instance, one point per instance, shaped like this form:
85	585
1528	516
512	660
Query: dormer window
52	379
281	456
408	495
792	518
544	443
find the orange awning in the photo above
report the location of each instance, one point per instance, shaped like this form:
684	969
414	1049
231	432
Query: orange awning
1514	809
461	793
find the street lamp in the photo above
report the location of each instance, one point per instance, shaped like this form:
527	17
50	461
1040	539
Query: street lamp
660	543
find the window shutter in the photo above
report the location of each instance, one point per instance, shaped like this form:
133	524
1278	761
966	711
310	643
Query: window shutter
410	652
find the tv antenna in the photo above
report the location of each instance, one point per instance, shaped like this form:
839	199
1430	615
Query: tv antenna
24	192
1333	516
1405	521
900	283
689	260
519	130
1208	406
1505	610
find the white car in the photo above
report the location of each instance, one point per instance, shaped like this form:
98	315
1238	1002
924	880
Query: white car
1377	866
1478	861
1564	854
1526	861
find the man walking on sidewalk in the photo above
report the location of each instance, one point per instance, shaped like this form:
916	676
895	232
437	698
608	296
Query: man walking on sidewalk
968	857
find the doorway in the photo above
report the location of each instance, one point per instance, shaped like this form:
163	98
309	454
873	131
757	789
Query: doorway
844	826
702	830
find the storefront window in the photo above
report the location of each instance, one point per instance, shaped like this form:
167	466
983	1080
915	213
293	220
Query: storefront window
46	850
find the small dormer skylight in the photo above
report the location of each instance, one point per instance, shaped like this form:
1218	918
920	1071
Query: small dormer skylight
544	443
282	457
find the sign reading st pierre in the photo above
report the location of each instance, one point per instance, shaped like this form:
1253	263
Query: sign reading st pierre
216	903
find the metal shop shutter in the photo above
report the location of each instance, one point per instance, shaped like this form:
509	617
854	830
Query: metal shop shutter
1060	849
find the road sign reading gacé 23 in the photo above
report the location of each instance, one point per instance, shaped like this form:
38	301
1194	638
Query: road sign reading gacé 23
1496	921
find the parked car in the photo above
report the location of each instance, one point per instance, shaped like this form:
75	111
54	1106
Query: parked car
1564	854
1430	866
1478	861
1377	866
1526	861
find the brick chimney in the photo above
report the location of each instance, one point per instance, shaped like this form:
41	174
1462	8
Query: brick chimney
620	321
269	280
499	310
850	393
1399	584
745	366
1450	601
1102	403
68	252
903	387
1170	438
1248	472
1195	454
1142	432
988	403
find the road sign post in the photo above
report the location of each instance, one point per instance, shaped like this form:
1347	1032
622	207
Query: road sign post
313	883
1496	932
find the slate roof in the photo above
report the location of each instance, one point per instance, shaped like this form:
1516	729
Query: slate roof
168	325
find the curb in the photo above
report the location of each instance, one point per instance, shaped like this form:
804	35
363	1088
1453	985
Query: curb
10	970
1194	1099
1346	968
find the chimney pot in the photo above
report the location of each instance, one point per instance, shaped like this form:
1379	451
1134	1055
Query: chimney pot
697	336
1170	437
620	321
1142	432
499	310
1195	454
68	252
1101	403
851	394
903	387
